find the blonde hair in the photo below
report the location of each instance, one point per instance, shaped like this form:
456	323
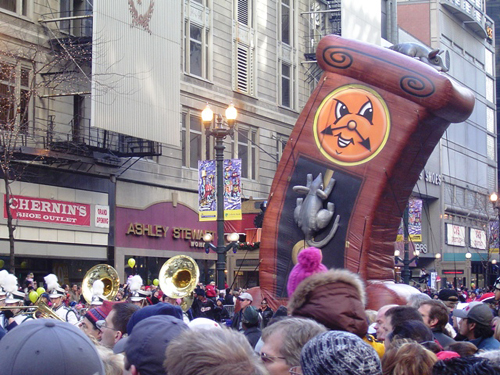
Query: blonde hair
407	357
212	352
113	363
371	315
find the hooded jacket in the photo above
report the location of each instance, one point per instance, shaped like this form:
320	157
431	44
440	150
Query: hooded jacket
335	298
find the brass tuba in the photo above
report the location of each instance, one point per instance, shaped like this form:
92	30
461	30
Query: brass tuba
178	279
108	275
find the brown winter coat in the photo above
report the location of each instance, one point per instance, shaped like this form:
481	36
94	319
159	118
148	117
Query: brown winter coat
335	299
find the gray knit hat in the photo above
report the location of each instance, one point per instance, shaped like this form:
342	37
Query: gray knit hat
339	353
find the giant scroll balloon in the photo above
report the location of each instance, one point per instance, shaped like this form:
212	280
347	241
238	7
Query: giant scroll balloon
353	158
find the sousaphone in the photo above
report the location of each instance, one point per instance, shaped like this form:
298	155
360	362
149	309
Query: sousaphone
108	275
178	278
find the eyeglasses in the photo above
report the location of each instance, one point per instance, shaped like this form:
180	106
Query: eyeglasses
269	358
295	370
100	324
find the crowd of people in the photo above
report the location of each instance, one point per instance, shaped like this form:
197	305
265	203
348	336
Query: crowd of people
324	329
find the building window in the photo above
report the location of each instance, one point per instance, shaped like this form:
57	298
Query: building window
490	147
192	139
244	48
490	119
286	55
247	151
281	141
20	7
196	38
15	97
489	89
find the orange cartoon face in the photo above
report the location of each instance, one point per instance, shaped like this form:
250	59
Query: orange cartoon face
351	125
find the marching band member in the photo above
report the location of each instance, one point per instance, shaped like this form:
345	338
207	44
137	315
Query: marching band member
14	298
138	296
3	274
55	294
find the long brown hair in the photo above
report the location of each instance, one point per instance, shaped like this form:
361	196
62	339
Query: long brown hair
407	357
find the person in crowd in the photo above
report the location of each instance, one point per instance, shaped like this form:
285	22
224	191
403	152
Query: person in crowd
220	312
496	290
265	312
467	365
316	296
145	348
407	357
339	353
211	291
228	352
251	329
461	296
492	355
472	296
463	348
114	327
380	326
412	330
475	325
450	299
88	324
396	316
73	294
246	300
415	300
48	346
283	342
56	294
435	316
205	306
228	298
113	363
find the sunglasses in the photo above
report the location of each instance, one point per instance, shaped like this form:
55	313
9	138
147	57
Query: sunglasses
269	358
295	370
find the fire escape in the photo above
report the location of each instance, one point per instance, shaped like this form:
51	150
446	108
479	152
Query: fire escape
324	19
73	139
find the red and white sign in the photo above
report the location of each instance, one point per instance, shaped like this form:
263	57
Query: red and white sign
48	210
477	239
455	235
101	216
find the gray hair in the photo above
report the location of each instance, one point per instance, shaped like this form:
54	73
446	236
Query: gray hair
492	355
212	352
415	300
295	333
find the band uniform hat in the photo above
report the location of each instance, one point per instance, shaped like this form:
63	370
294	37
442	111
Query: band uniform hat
15	297
48	346
140	295
57	292
247	296
476	311
145	347
448	295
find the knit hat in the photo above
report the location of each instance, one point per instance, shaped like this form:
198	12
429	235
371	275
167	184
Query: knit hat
308	263
95	314
48	346
339	353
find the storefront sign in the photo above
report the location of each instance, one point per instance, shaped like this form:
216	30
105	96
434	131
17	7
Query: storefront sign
101	216
430	177
48	210
149	230
477	239
455	235
193	236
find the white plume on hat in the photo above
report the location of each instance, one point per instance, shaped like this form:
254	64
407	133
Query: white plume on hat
98	288
135	283
51	281
10	283
3	275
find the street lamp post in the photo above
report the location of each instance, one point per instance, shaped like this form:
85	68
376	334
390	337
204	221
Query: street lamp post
494	202
406	272
220	129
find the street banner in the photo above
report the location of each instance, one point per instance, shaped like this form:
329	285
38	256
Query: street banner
232	189
493	237
415	219
207	190
207	197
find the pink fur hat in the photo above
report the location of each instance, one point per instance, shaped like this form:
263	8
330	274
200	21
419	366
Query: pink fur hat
308	263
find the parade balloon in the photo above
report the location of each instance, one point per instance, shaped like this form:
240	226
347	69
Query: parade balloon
156	282
40	291
33	296
131	262
24	264
1	263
